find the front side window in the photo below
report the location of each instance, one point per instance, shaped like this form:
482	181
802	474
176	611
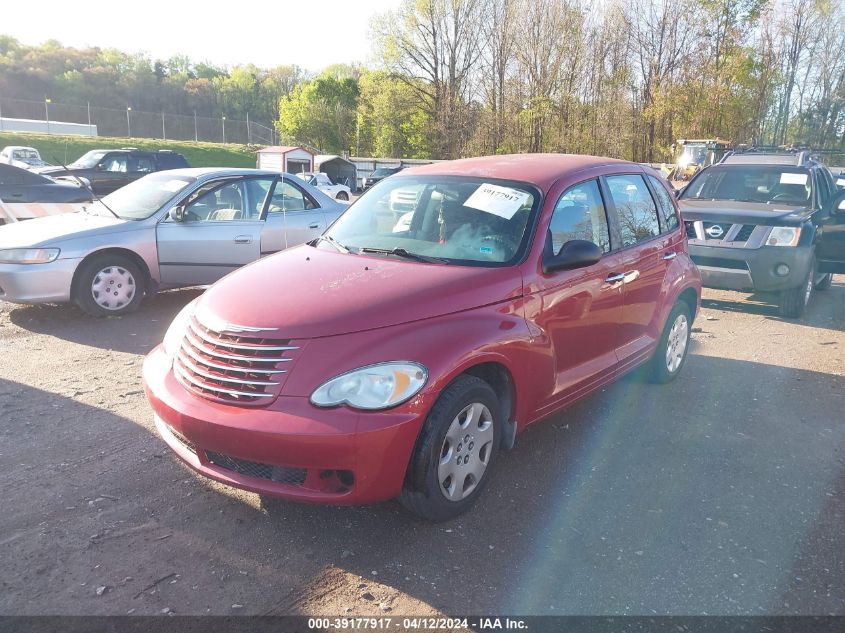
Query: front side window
580	215
765	184
458	220
115	163
216	202
635	208
667	209
10	175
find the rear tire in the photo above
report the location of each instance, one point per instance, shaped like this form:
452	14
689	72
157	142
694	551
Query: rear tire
671	352
448	472
793	302
342	195
108	285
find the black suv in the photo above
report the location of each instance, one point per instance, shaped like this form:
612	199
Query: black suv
767	222
109	169
378	175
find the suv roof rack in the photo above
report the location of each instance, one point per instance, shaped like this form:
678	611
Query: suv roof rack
774	154
130	149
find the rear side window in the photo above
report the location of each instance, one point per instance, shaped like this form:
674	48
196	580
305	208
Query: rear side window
580	215
634	207
664	203
171	160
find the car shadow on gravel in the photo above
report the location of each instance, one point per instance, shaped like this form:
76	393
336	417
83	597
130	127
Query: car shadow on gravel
137	332
825	310
641	499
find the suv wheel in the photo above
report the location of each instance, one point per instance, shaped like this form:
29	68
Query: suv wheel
792	302
455	451
823	282
671	352
108	285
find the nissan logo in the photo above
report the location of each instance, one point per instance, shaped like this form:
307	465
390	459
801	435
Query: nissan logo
715	231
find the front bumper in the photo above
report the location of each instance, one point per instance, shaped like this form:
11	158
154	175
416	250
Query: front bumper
290	449
750	269
37	283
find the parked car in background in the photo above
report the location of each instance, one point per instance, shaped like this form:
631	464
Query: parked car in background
21	156
322	182
182	227
378	175
766	222
22	186
110	169
372	364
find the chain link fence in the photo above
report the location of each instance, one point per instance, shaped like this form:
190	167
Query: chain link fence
130	123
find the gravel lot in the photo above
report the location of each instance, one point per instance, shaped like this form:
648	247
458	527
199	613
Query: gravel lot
722	493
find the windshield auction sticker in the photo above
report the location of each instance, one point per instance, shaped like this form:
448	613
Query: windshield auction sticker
787	178
501	201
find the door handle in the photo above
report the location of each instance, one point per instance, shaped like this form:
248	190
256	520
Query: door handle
612	279
243	239
314	225
17	195
670	255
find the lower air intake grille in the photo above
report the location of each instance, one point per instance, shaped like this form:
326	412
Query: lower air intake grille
280	474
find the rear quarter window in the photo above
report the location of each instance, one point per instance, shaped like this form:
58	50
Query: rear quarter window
171	161
664	205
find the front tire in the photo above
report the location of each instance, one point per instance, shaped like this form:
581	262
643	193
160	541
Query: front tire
342	195
455	452
792	302
108	285
671	352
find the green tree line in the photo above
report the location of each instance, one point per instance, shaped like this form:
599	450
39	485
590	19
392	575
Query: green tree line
453	78
111	78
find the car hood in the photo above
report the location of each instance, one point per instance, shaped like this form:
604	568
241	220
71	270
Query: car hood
308	293
742	212
55	229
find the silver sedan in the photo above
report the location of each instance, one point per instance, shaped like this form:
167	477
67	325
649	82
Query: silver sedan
183	227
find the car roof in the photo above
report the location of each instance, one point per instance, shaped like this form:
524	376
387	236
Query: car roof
752	158
14	147
200	172
542	170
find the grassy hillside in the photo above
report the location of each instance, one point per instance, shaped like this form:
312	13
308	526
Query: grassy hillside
66	149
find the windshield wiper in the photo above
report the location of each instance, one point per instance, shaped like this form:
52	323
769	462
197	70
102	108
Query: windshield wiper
89	190
401	252
332	241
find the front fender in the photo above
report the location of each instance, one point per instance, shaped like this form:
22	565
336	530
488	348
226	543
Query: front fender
447	346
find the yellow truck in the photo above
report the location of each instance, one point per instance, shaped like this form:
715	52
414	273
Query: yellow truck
693	154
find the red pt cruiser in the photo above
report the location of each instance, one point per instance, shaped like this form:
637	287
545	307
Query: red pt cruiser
447	310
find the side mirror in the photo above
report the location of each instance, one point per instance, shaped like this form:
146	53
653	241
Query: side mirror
177	214
100	167
573	254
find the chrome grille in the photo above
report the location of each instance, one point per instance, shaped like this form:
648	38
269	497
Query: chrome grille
232	367
744	233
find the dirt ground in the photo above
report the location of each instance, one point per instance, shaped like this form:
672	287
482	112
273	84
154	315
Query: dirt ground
722	493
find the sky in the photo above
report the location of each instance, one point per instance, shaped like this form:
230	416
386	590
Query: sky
311	35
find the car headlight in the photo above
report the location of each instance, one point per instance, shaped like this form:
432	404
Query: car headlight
784	236
28	255
176	331
374	387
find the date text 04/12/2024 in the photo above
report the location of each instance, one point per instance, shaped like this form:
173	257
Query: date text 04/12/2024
416	623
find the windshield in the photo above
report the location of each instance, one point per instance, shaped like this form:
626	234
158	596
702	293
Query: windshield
693	155
88	160
767	184
141	199
458	220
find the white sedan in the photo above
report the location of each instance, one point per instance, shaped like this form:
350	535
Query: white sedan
321	181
